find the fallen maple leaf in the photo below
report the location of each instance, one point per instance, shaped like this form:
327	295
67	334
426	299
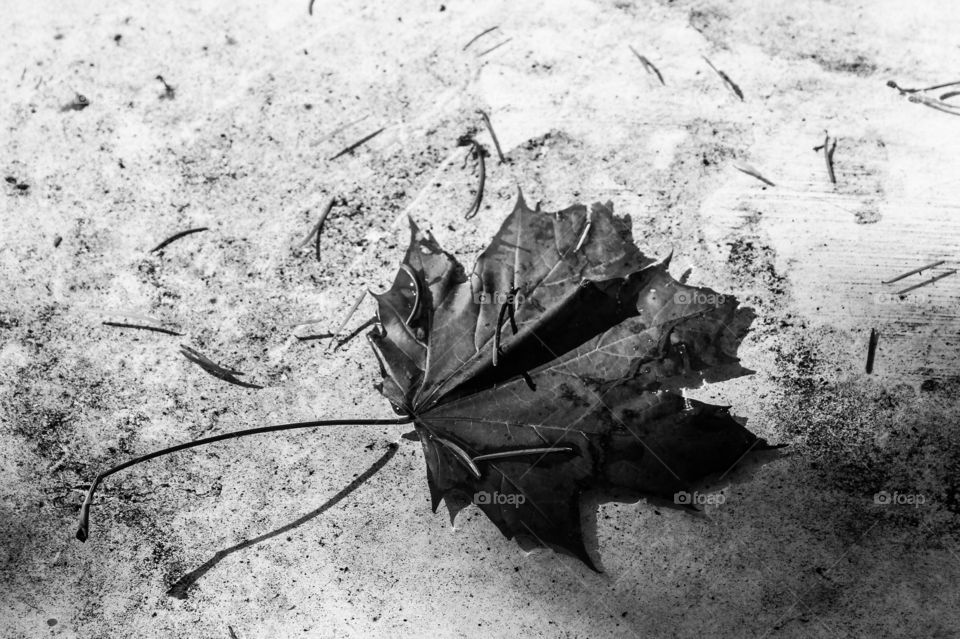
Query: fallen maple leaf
583	391
585	388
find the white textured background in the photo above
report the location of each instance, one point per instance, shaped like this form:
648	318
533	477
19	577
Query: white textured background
263	90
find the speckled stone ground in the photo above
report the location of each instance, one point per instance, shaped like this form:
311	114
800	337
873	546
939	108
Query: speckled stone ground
295	535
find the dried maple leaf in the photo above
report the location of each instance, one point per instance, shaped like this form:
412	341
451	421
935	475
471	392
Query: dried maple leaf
583	390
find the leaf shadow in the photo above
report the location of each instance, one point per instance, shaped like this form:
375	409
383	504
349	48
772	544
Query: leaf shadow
741	473
181	587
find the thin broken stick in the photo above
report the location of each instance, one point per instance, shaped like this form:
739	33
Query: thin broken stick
647	65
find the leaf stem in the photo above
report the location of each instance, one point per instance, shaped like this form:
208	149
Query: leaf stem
83	527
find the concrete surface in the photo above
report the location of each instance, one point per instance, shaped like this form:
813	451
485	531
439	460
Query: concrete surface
294	534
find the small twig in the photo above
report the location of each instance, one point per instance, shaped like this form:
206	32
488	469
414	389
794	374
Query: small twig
752	172
310	8
477	150
233	635
726	78
926	282
354	333
872	349
647	65
353	147
213	368
494	48
353	309
476	37
175	237
914	272
496	142
157	329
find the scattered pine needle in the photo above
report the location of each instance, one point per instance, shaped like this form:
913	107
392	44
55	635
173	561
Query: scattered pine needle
156	329
358	143
478	36
318	228
343	127
926	282
307	322
914	272
310	8
752	172
306	338
496	142
894	85
494	48
585	233
477	151
213	368
933	103
726	78
342	341
175	237
872	349
828	150
647	65
353	309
